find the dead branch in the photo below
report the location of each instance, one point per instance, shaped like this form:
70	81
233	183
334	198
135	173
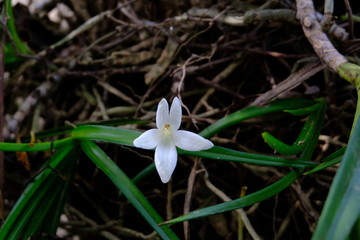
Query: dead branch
289	83
255	16
318	39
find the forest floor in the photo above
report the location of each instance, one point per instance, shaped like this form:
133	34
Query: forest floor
96	61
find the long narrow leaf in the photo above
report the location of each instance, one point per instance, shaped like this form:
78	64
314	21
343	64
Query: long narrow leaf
248	200
126	137
127	187
47	202
42	146
280	146
36	203
331	160
255	111
314	125
312	131
68	129
106	134
225	154
21	46
342	206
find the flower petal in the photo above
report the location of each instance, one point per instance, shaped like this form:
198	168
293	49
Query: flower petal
165	160
175	114
162	113
191	141
148	140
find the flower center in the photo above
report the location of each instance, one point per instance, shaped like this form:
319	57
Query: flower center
166	130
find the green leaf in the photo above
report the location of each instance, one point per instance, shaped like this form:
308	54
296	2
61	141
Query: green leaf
42	146
127	187
98	132
20	45
342	207
280	146
331	160
313	125
247	113
248	200
48	190
225	154
303	111
106	134
67	129
126	137
10	54
311	131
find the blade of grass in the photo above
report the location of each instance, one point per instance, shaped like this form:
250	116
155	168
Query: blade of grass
106	134
21	46
127	187
225	154
34	225
303	111
315	123
342	207
65	173
15	225
38	198
126	137
67	129
280	146
312	131
42	146
331	160
305	134
248	200
84	132
241	115
10	54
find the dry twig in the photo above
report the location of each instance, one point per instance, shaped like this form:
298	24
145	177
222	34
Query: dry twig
289	83
225	198
318	39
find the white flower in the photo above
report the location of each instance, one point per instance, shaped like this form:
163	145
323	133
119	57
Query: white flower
166	137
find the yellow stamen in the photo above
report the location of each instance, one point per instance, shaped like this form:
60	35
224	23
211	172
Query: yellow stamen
166	131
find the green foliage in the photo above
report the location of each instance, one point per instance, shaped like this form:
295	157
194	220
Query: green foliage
248	200
342	208
225	154
280	146
236	117
331	160
305	135
133	194
313	125
38	209
10	53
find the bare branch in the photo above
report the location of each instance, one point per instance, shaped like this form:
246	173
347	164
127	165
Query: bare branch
318	39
